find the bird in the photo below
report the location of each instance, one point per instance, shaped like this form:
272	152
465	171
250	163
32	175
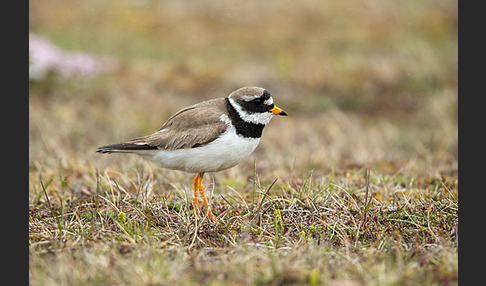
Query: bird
209	136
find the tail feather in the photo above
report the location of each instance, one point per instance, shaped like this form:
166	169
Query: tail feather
124	148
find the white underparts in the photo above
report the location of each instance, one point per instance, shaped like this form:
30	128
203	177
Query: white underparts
225	152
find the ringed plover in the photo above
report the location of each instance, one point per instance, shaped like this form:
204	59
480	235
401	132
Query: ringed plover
209	136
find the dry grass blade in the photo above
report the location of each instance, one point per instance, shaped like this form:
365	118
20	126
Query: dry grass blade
366	202
53	212
257	213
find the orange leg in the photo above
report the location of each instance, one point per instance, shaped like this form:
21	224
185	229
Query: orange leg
196	200
200	187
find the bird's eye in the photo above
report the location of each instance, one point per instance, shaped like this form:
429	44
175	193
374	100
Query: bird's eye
258	100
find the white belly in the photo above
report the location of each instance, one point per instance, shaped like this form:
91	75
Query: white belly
223	153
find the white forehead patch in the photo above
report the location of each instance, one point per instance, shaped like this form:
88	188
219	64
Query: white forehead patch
268	101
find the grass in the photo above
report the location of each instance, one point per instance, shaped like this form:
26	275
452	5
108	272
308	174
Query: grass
309	230
357	186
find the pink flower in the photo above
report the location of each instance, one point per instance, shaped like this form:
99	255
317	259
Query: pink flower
45	57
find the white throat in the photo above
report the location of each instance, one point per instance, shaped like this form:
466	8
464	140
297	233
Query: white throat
256	118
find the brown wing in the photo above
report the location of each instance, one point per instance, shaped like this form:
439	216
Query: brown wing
193	126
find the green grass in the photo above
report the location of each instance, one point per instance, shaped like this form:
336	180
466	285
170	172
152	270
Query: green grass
357	186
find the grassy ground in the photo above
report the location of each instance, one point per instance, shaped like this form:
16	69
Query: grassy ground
357	186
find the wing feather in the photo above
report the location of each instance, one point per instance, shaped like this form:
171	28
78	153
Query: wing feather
191	127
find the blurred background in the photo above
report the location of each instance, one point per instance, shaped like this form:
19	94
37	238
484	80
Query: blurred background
366	83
